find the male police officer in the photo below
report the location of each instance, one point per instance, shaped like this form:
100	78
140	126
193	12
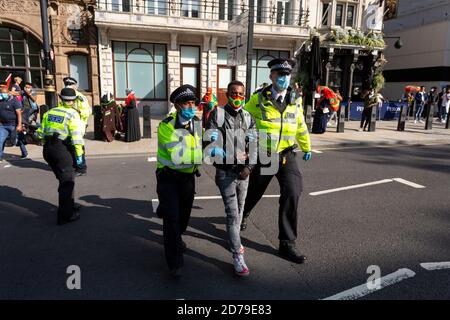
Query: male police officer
62	133
179	154
280	123
85	111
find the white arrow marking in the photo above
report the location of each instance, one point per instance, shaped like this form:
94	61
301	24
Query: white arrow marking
435	265
151	159
363	290
409	183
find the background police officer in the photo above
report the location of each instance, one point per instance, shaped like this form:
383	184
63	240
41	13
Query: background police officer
62	133
179	154
279	116
85	111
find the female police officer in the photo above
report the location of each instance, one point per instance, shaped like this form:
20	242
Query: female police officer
179	154
62	132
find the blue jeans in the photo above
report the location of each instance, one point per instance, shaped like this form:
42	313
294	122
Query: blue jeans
419	111
5	132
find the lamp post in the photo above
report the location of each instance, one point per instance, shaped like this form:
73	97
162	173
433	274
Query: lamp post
49	81
251	16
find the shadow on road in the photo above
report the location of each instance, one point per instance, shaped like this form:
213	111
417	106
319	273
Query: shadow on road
25	163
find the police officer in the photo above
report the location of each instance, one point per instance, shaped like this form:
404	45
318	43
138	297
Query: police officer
280	123
85	111
62	134
179	154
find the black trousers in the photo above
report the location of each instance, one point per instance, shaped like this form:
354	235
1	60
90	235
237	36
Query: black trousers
291	186
176	196
366	117
59	158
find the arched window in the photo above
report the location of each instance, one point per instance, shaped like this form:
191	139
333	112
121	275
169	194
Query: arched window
20	54
260	70
141	67
78	69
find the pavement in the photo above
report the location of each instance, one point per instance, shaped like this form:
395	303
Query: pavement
394	226
385	135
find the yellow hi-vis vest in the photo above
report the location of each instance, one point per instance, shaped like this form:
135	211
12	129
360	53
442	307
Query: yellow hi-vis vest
65	121
83	107
177	148
278	131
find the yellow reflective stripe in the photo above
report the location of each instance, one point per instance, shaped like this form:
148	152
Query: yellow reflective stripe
77	142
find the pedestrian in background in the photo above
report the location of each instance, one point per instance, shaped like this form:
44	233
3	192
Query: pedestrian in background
16	89
372	99
10	121
334	112
207	105
421	100
232	123
132	123
29	97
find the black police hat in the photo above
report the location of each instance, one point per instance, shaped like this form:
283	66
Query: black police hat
68	81
68	94
184	93
281	64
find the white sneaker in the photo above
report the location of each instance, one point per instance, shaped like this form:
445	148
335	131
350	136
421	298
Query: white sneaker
240	268
415	121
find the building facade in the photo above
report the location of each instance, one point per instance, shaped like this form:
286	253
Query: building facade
73	43
424	59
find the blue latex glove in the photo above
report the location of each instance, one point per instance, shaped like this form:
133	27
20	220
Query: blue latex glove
217	151
307	156
251	136
214	135
79	161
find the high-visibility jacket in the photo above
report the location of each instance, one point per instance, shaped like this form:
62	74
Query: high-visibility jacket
178	149
83	107
65	121
278	131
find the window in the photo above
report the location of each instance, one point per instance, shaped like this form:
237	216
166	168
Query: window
157	7
339	14
326	8
20	54
190	65
78	68
190	8
141	67
226	9
259	11
260	70
121	5
225	74
283	12
350	16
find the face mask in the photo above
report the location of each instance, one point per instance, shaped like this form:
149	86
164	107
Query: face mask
283	82
4	96
236	102
188	113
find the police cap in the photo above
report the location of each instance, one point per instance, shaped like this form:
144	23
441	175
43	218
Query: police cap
68	94
184	93
281	65
68	81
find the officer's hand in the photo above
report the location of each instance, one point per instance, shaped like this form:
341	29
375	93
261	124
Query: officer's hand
244	173
79	161
214	135
19	129
217	151
307	156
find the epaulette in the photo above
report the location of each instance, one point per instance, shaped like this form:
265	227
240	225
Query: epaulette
168	119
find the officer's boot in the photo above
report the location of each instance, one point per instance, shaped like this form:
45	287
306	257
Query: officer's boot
287	250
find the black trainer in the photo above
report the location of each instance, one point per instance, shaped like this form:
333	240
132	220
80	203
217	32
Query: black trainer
183	246
288	252
175	273
77	207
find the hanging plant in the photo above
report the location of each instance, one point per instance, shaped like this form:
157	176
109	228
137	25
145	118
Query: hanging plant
378	80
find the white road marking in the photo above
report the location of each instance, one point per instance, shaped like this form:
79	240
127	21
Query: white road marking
316	151
409	183
363	290
151	159
155	202
7	166
317	193
435	265
362	185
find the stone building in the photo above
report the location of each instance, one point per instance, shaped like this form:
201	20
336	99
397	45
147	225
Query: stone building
73	42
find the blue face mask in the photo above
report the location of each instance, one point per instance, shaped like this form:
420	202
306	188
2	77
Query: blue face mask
188	113
4	96
283	82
